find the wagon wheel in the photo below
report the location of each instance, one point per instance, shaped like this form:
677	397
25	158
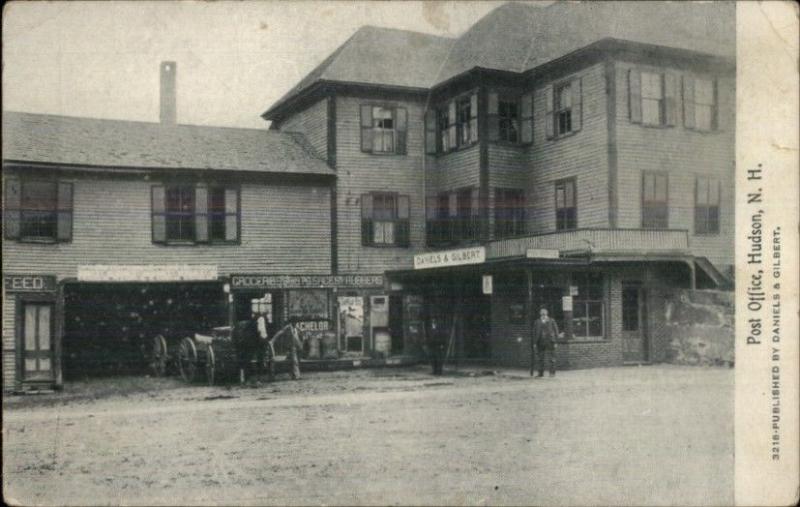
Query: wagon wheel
159	363
211	365
187	360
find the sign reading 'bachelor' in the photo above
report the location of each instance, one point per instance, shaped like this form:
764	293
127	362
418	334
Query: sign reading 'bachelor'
458	257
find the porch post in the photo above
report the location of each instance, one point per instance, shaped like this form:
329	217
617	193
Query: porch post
529	313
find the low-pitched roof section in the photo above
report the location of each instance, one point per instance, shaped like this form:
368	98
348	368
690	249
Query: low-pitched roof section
378	56
73	141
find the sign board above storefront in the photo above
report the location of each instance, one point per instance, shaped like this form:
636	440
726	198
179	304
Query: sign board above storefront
460	257
541	253
29	283
147	273
248	282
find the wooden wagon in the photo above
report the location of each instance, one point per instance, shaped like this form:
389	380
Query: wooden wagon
212	356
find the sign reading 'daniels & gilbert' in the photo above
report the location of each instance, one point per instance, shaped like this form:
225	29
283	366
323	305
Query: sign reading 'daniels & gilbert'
460	257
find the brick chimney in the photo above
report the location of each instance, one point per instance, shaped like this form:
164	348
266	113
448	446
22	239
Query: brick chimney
168	96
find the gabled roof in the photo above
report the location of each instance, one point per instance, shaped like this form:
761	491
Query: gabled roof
517	37
50	139
379	56
520	36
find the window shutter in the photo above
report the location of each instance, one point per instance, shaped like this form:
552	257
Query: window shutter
403	223
159	220
201	214
577	104
635	95
688	102
494	119
715	124
549	123
473	118
671	98
526	118
11	205
453	204
401	127
366	219
430	131
452	135
64	227
231	214
366	128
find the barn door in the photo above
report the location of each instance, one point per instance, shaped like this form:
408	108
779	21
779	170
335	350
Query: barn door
37	333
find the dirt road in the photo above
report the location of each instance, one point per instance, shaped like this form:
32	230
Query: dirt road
632	436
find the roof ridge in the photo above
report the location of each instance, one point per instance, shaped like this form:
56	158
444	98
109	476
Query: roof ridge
138	122
403	30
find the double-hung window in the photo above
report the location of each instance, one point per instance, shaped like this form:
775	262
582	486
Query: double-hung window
652	97
452	125
510	117
189	214
655	192
37	210
587	307
385	219
566	205
706	205
564	103
383	129
509	212
700	103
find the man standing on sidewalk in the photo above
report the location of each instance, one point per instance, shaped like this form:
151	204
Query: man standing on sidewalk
545	334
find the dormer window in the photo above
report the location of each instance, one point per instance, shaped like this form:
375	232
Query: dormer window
383	129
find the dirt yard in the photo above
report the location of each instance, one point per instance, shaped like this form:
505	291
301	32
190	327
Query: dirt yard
635	436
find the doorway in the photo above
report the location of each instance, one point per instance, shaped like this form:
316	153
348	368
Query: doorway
635	339
37	340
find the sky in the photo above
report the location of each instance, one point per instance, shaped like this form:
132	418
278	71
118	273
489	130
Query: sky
234	59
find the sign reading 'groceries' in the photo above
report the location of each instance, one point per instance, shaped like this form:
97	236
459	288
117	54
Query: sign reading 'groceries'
458	257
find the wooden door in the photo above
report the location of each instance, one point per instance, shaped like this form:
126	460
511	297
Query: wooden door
37	340
634	324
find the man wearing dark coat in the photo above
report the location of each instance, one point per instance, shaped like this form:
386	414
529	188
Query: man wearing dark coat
436	344
545	334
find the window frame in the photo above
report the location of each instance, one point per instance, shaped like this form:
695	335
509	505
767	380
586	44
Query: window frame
207	188
587	301
451	123
399	133
516	225
645	204
559	219
706	230
60	211
401	226
661	100
560	110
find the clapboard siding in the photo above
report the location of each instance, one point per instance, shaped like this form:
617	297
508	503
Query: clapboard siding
285	229
583	155
683	154
9	340
359	173
312	122
454	170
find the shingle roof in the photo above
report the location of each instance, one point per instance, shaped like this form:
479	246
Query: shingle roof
380	56
519	36
70	140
